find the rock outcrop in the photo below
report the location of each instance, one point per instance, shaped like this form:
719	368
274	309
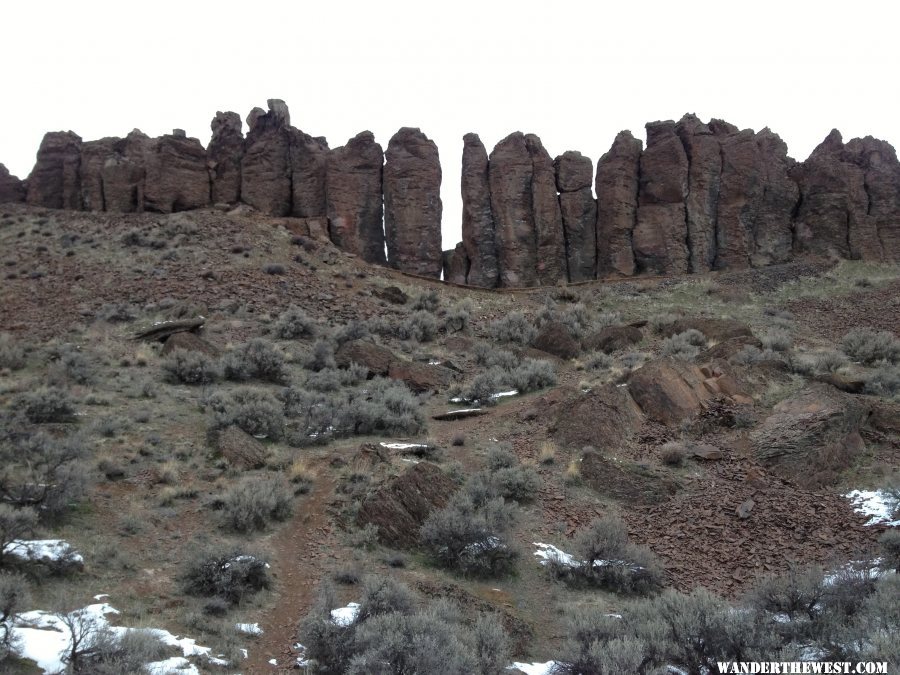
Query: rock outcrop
617	195
412	203
574	173
224	156
309	163
176	175
11	188
55	181
353	197
456	264
660	237
881	170
123	174
548	225
266	165
478	230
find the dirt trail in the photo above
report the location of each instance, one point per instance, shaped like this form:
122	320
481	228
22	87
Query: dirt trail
300	553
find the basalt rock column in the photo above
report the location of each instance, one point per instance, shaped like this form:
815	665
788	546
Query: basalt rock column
123	174
574	173
309	162
354	198
617	195
11	188
94	155
177	177
456	264
54	181
660	236
412	203
704	174
224	156
878	160
548	224
266	165
510	174
478	229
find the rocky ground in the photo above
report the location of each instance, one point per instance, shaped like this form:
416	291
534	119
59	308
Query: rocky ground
726	454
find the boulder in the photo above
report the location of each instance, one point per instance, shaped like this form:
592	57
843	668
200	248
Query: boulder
548	223
353	197
881	170
611	339
626	481
574	172
660	233
412	203
668	391
456	264
309	165
12	189
54	183
478	230
376	359
617	197
421	377
715	330
510	175
240	449
224	156
189	342
177	177
391	294
400	507
555	338
605	418
266	164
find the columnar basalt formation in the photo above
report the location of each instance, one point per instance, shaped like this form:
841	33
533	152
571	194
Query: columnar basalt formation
699	197
55	181
354	198
617	196
412	203
12	189
574	174
478	229
224	156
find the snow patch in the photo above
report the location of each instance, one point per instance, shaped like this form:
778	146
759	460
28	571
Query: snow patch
43	550
177	665
405	446
248	628
878	504
533	668
548	553
344	616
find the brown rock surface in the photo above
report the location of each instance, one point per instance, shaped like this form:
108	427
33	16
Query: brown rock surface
94	155
610	339
456	264
177	177
668	391
224	156
309	164
878	160
375	358
626	481
510	174
412	203
420	377
353	197
660	234
240	449
190	342
478	230
717	330
11	188
617	198
548	224
266	165
54	182
555	338
574	172
400	507
606	418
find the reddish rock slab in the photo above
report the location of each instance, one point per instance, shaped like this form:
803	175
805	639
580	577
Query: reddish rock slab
224	156
611	339
617	198
266	164
177	178
54	182
12	190
555	338
309	165
421	377
578	207
456	264
412	203
478	229
375	358
548	223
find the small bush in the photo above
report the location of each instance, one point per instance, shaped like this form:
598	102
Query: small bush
294	323
427	301
490	357
274	268
777	340
513	328
321	357
532	375
383	595
519	483
796	594
548	452
684	346
190	367
15	523
598	361
250	505
457	318
77	366
890	549
748	355
256	411
258	360
883	382
47	404
659	322
420	326
14	596
672	453
870	346
828	362
226	573
12	355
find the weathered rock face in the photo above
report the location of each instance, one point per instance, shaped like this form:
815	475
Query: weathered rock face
353	196
309	162
11	188
123	173
478	230
54	182
412	203
574	173
510	174
548	225
94	155
224	156
660	236
456	264
555	338
756	201
266	165
617	195
177	178
832	218
878	160
704	174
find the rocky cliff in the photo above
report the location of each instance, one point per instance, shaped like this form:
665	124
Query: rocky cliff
699	197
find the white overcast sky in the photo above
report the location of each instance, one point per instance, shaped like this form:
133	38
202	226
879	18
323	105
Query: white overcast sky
574	73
